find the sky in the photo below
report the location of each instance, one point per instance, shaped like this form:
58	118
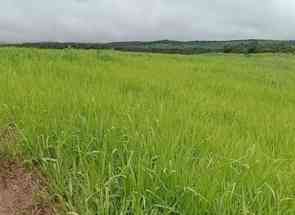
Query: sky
145	20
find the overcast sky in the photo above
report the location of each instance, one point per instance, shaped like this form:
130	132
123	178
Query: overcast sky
121	20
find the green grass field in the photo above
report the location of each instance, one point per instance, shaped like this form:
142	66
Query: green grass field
125	133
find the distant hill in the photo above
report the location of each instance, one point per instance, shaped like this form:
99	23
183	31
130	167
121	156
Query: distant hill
169	46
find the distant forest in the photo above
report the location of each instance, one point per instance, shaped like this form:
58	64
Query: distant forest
168	46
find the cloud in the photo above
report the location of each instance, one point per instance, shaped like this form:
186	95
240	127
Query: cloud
117	20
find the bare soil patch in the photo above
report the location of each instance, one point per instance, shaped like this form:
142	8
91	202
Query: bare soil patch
19	190
22	191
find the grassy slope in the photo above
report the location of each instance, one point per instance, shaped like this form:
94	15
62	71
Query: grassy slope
122	133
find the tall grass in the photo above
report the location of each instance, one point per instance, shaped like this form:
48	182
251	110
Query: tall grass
123	133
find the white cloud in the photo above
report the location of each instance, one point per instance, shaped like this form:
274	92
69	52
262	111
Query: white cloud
117	20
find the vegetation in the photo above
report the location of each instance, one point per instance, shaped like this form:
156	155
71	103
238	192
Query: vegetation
126	133
191	47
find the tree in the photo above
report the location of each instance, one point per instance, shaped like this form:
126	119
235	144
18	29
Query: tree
252	47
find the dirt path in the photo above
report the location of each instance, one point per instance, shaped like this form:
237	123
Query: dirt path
18	190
